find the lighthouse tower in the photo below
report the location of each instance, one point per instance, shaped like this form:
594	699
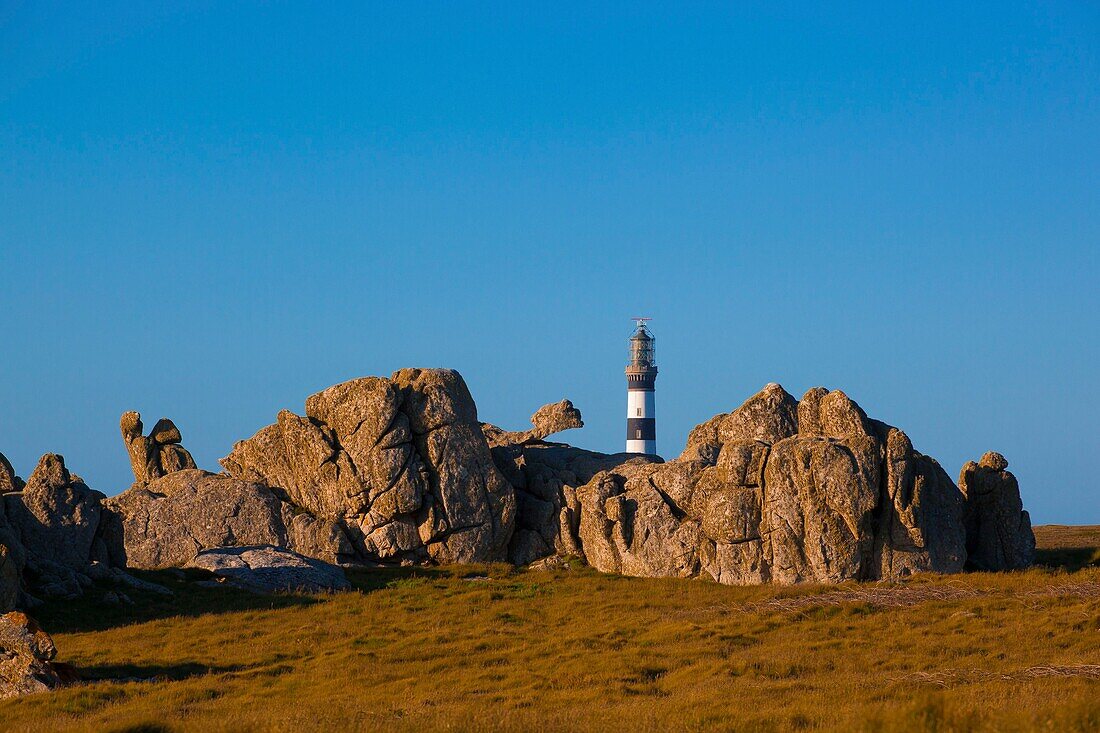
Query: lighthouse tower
641	373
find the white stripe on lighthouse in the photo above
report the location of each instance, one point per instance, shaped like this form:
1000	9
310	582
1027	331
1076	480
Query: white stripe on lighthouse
638	400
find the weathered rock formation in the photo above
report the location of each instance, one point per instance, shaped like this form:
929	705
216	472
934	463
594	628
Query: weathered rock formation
547	420
26	654
268	569
778	490
400	463
55	520
998	530
169	521
157	454
399	470
545	477
52	538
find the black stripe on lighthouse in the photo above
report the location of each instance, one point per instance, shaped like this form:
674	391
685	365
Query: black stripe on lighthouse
641	428
641	382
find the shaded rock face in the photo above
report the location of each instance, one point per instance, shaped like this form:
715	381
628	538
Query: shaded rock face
10	574
169	521
998	530
921	519
268	569
57	515
546	478
26	653
400	463
12	560
157	454
55	521
52	538
778	490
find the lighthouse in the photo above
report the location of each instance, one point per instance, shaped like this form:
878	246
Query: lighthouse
641	373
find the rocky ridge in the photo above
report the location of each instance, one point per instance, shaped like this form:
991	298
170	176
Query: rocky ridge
778	490
399	470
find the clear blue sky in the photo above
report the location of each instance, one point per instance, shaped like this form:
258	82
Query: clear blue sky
211	211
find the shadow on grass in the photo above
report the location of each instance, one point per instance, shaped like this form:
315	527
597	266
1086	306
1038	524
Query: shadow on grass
158	672
1069	558
92	612
368	580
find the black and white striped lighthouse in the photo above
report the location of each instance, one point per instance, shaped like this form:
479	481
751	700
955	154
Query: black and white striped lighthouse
641	373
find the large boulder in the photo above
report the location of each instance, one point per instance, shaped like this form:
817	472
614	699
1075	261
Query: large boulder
268	569
998	530
628	526
167	522
831	414
554	418
56	518
57	515
402	463
26	654
157	454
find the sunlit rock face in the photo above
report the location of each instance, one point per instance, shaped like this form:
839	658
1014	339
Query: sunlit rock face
401	464
778	490
26	657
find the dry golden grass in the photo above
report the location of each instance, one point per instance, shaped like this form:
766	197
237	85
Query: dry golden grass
489	648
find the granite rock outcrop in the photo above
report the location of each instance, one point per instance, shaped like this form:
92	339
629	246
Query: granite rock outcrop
169	521
401	464
157	454
400	470
778	490
998	529
53	526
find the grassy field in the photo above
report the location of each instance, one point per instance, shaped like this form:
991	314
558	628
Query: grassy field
491	648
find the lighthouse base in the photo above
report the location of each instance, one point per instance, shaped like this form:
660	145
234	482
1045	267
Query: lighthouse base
649	447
